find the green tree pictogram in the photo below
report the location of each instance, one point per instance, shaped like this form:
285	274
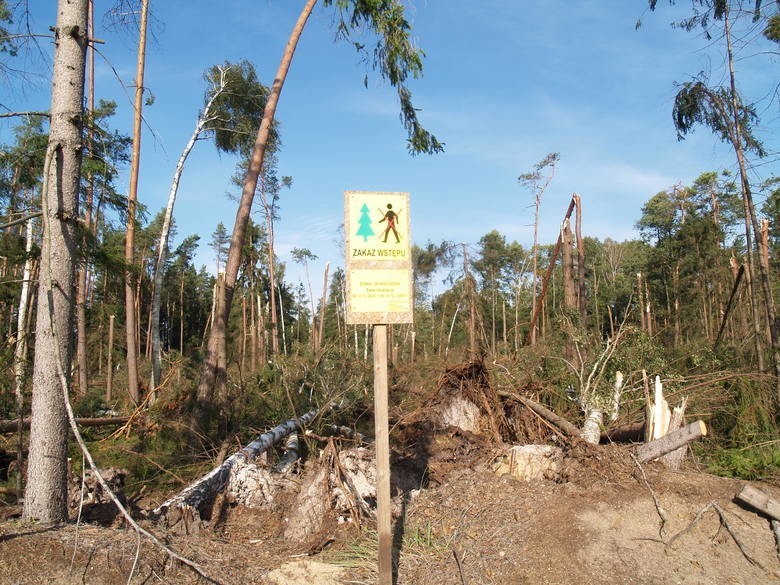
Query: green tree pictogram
365	223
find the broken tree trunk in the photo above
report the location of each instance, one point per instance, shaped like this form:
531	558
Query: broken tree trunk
675	459
185	506
591	428
760	501
671	441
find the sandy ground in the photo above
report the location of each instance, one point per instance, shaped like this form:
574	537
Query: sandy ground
606	521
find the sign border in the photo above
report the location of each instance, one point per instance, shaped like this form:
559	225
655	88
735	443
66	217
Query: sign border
378	317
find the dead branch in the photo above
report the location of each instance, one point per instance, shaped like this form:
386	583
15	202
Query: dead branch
459	562
21	219
658	507
760	501
14	114
544	412
724	522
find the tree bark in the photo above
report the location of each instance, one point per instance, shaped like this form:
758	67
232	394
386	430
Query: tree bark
671	441
162	245
110	361
83	271
7	426
323	307
547	414
132	200
583	295
191	498
760	501
46	493
20	351
273	313
569	290
212	377
751	220
540	300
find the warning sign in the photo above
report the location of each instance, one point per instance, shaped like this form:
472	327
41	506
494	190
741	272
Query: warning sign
378	250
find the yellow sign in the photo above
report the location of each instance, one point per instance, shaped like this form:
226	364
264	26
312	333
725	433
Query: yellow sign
378	250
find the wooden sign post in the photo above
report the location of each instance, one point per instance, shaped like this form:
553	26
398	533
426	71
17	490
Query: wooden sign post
379	292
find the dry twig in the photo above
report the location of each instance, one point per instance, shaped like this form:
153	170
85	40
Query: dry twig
659	508
460	564
724	522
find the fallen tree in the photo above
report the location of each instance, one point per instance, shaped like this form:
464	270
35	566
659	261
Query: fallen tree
671	441
186	506
760	501
11	426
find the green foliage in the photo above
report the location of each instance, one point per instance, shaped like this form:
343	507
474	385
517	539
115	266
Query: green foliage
696	103
745	431
394	56
533	178
7	44
220	240
752	463
89	404
238	109
772	30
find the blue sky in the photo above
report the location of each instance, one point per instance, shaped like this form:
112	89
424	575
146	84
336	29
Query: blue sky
504	84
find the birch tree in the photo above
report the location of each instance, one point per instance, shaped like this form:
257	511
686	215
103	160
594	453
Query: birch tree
218	85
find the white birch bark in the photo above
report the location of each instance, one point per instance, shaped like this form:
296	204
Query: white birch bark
191	497
591	428
162	246
20	352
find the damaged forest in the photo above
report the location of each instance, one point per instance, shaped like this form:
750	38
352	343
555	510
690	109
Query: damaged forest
562	409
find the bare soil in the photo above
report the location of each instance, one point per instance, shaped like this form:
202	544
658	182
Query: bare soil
601	524
604	520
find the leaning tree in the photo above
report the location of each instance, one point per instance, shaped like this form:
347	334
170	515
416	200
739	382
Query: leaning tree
396	58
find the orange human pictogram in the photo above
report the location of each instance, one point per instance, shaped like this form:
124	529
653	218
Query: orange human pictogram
390	216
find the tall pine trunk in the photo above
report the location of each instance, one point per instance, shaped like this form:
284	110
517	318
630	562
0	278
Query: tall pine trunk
750	213
81	290
46	494
213	375
132	200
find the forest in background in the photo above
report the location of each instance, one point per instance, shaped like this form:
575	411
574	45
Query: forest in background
692	301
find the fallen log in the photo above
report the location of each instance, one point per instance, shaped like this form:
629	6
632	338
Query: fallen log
671	441
11	426
630	433
544	412
760	501
185	507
